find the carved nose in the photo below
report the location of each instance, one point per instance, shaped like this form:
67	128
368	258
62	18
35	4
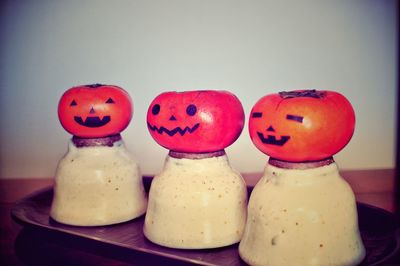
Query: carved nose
92	111
172	118
271	129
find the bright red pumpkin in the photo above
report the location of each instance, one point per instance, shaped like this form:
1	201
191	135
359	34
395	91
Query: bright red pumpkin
95	111
195	121
299	126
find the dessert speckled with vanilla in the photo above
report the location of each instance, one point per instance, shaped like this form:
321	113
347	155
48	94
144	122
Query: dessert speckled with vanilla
196	203
302	217
98	185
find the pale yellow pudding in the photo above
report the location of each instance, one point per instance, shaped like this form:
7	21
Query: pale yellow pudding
98	185
302	217
196	203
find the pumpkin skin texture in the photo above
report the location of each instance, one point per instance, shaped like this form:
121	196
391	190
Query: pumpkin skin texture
300	126
95	111
195	121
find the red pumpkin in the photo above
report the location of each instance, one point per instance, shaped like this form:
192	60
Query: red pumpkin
95	111
195	121
302	126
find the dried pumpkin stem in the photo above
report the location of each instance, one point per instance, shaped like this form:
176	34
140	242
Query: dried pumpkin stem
304	93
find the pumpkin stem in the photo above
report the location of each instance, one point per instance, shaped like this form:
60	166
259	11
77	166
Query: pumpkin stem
304	93
93	86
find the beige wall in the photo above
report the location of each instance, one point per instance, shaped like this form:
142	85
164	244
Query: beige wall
248	47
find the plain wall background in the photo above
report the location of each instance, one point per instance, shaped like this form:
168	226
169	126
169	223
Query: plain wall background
251	48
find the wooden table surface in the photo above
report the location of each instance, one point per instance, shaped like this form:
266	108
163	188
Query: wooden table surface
26	246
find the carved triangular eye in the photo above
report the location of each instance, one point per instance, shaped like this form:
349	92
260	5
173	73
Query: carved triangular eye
73	103
110	100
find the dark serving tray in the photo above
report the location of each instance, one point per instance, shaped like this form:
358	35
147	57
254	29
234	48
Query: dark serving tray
380	232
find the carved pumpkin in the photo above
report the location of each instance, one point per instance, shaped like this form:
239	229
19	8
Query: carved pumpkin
95	111
195	121
301	126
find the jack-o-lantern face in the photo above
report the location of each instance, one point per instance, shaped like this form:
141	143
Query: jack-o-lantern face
95	111
195	121
301	126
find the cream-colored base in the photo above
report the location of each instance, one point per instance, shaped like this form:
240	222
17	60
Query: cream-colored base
196	203
302	217
98	186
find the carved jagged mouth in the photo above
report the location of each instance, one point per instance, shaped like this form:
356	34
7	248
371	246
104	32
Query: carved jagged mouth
92	121
173	131
272	139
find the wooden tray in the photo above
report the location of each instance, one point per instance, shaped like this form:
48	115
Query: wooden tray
379	230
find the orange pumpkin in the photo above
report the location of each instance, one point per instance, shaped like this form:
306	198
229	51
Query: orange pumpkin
195	121
299	126
95	111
